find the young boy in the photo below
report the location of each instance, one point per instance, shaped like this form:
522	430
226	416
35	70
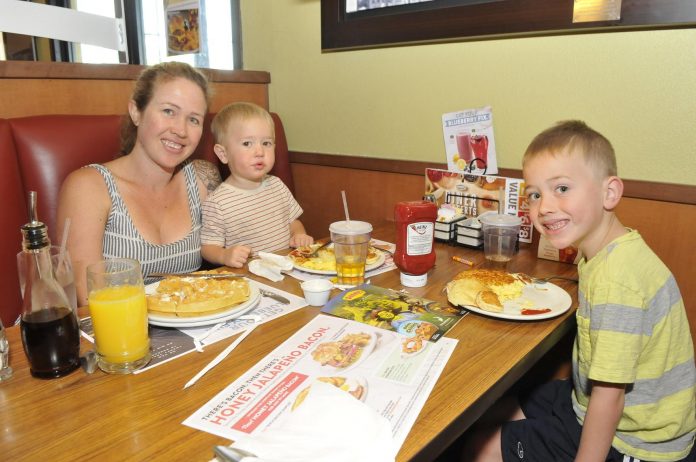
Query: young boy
250	210
632	394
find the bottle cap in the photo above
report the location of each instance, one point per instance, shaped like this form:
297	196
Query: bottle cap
414	280
35	236
34	233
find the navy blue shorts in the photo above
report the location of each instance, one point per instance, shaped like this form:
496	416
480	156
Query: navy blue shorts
551	431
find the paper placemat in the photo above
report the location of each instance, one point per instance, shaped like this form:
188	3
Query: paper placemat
394	384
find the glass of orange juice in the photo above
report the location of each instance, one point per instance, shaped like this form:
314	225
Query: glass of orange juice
118	308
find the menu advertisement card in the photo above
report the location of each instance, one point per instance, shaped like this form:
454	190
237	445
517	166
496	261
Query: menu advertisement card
469	141
416	319
183	31
475	194
362	360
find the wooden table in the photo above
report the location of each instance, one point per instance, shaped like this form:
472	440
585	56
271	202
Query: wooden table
138	417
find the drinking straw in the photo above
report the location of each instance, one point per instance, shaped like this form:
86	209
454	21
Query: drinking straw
63	243
345	206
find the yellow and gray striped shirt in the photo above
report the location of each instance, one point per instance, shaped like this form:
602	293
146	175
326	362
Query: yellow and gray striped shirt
633	330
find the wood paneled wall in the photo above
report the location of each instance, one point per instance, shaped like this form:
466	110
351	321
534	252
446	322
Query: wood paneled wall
664	214
34	88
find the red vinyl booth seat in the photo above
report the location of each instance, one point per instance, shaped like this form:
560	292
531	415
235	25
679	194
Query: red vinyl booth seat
38	152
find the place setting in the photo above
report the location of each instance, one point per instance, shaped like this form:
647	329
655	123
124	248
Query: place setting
492	291
187	312
323	265
200	299
349	257
504	295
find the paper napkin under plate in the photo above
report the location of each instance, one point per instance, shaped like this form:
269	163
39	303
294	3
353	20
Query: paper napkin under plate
270	266
330	425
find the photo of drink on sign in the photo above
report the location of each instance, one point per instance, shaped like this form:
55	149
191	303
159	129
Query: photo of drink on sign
469	142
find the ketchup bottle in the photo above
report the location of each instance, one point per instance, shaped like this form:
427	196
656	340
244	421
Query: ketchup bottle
415	231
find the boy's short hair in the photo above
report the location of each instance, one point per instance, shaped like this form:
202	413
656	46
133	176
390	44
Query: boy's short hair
574	136
238	112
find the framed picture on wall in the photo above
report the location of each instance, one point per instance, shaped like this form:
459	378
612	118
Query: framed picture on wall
344	26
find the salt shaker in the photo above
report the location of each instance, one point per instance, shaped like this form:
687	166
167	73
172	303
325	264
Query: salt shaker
5	369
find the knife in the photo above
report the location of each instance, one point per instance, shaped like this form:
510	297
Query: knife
198	275
223	354
274	296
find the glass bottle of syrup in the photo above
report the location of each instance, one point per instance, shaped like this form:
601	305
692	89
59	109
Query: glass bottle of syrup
50	332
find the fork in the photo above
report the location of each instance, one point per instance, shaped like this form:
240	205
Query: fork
255	321
547	279
383	248
315	252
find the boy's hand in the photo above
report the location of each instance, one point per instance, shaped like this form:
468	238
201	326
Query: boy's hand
236	256
301	240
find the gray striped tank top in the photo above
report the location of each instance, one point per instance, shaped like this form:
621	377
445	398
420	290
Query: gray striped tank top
123	240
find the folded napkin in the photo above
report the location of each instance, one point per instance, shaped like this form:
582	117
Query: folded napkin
270	266
329	426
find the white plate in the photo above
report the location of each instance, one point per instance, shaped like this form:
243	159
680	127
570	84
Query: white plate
534	296
381	258
367	349
198	321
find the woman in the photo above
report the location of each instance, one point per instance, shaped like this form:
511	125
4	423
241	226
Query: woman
145	204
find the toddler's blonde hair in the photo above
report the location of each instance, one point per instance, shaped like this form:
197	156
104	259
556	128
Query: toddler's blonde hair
235	113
